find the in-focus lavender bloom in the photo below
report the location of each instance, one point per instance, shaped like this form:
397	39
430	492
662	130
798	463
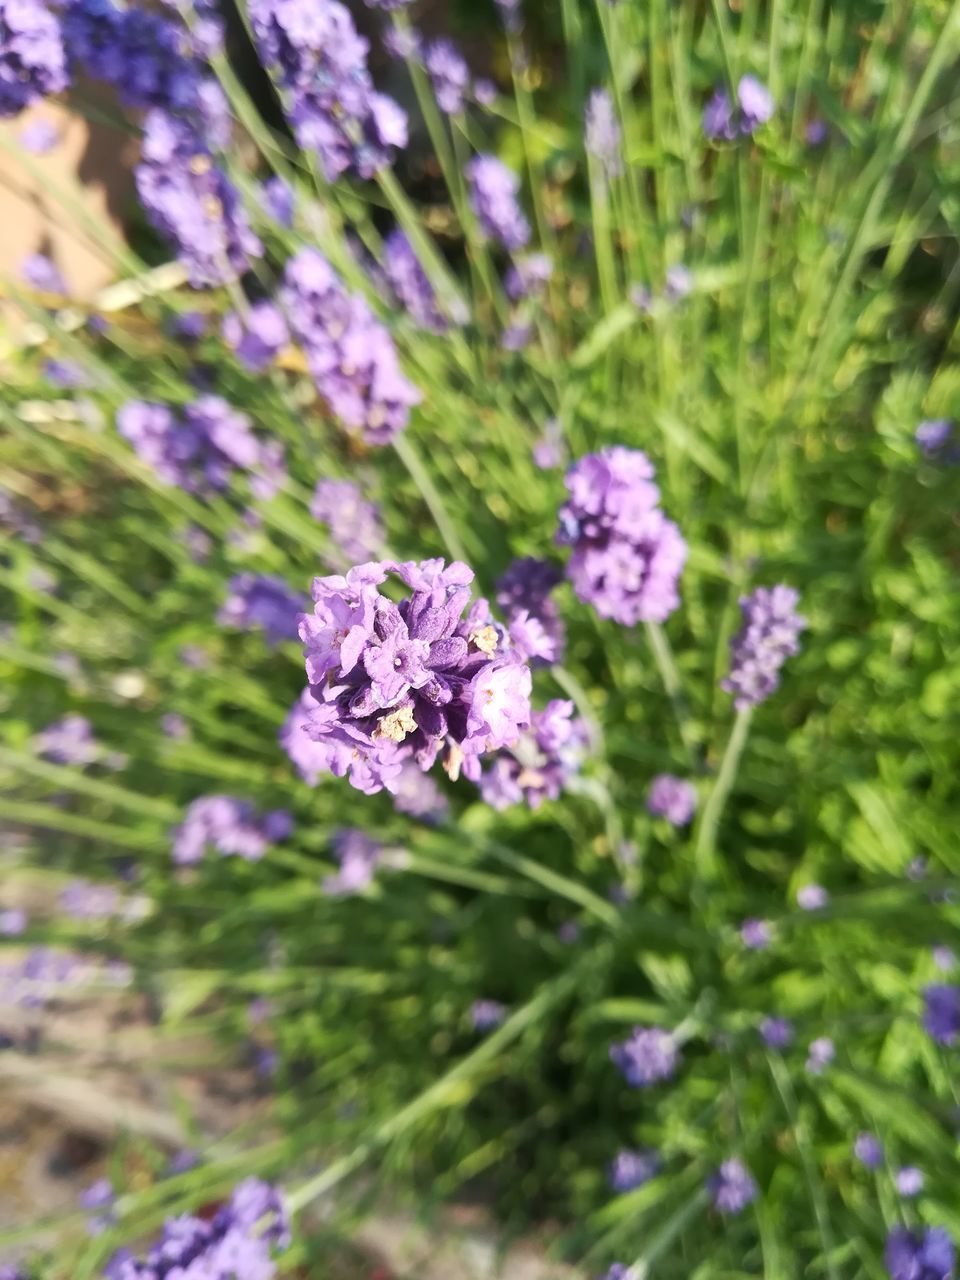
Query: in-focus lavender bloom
820	1053
258	337
350	354
98	1196
540	763
68	741
42	273
756	104
39	137
868	1150
256	601
449	75
919	1255
627	556
33	63
320	63
672	798
523	593
812	897
354	523
416	681
777	1033
231	826
191	202
756	934
909	1181
528	276
944	959
418	795
197	452
935	438
941	1015
358	856
487	1014
237	1244
648	1055
768	636
549	451
732	1187
13	922
678	283
409	283
631	1169
602	134
278	200
493	196
84	900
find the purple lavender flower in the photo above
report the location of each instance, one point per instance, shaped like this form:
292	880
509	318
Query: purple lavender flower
13	922
672	798
493	196
255	601
540	763
732	1187
868	1150
320	63
718	117
602	134
33	980
769	635
39	137
278	200
619	1270
409	283
756	934
358	856
41	272
415	681
648	1055
528	276
68	741
402	42
678	283
173	725
354	523
909	1181
816	133
99	1195
548	451
258	337
510	15
84	900
190	325
231	826
641	297
756	104
627	556
449	75
941	1015
523	593
631	1169
934	437
418	795
349	352
66	374
237	1243
32	59
309	758
487	1014
517	335
820	1053
777	1033
914	1255
944	959
812	897
485	92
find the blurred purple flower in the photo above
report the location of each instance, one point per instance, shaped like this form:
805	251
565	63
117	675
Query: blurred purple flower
277	198
487	1014
258	337
99	1195
39	137
732	1187
648	1055
944	959
68	741
540	763
33	62
935	438
868	1150
410	284
13	922
40	271
528	276
449	75
777	1033
549	451
820	1053
811	897
523	593
914	1255
84	900
756	934
259	602
358	856
493	195
672	798
231	826
678	283
355	525
909	1181
631	1169
418	795
602	134
173	725
941	1015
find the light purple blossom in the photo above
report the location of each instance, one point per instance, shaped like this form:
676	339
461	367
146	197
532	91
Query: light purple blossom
358	856
418	795
909	1181
816	132
68	741
278	199
672	798
528	276
820	1053
919	1255
935	438
754	107
259	602
777	1033
678	283
518	334
485	92
523	593
868	1150
355	525
449	75
99	1195
258	337
487	1014
84	900
33	63
812	897
602	134
409	283
39	137
402	42
648	1055
941	1015
493	195
13	922
42	273
540	763
944	959
756	934
769	635
173	725
732	1187
549	451
230	826
31	981
631	1169
309	758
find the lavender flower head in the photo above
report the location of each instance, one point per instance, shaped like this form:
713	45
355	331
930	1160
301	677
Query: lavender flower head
769	635
84	900
631	1169
909	1181
944	959
320	63
231	826
13	922
487	1014
414	681
42	273
672	798
548	450
523	593
358	856
602	135
820	1053
449	75
935	438
258	337
418	795
648	1055
868	1150
493	196
777	1033
540	763
754	107
33	63
350	354
99	1195
278	200
409	283
732	1187
68	741
941	1015
354	523
915	1255
756	934
528	276
627	556
258	602
811	897
309	758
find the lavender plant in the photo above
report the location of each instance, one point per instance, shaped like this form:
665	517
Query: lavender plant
632	891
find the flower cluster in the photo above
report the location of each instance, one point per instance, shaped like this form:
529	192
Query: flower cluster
768	636
868	1150
358	856
350	354
35	978
777	1033
648	1055
935	440
919	1255
258	336
261	602
627	556
354	523
418	795
197	452
941	1015
320	62
493	196
732	1187
68	741
412	681
32	58
523	593
538	765
487	1014
237	1244
725	119
672	798
602	136
408	283
449	75
231	826
631	1169
820	1053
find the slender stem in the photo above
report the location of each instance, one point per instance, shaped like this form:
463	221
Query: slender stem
663	655
421	478
706	842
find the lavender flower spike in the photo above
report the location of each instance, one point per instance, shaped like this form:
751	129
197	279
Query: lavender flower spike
768	637
540	763
33	62
602	136
868	1150
264	603
409	283
650	1054
358	856
631	1169
732	1187
231	826
449	75
914	1255
672	798
493	195
354	524
941	1015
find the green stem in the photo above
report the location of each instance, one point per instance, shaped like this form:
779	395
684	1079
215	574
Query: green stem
421	478
663	656
706	842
